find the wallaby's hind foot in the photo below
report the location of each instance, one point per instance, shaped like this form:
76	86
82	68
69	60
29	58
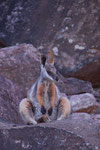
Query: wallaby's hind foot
64	108
31	123
44	119
27	111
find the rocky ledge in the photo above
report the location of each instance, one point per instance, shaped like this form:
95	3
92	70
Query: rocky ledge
79	132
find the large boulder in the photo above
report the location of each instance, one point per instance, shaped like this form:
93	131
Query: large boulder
70	28
21	65
73	86
78	132
83	124
40	138
88	70
31	21
76	43
9	100
84	103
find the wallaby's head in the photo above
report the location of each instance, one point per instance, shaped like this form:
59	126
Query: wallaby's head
48	69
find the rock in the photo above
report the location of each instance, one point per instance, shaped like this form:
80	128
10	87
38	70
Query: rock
78	53
6	124
73	86
21	65
9	100
84	103
89	72
40	138
2	44
40	19
85	125
79	131
97	94
97	111
97	115
70	28
87	69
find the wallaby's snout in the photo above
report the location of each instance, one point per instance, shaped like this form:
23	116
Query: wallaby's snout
52	72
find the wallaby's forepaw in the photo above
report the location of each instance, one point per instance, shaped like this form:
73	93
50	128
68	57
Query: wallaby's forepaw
50	111
34	122
43	110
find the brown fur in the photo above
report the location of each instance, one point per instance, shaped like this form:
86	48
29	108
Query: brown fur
63	108
52	94
40	90
51	58
27	111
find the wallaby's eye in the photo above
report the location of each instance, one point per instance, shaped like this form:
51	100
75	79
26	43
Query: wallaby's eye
43	60
57	78
49	72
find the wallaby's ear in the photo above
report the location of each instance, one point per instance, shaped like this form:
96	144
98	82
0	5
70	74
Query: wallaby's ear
50	57
43	60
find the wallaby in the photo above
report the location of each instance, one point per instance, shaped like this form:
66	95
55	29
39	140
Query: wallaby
44	100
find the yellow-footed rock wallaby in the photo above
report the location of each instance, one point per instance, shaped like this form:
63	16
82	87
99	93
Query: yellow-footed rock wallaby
44	101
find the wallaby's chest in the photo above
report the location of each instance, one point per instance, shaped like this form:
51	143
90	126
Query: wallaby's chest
46	93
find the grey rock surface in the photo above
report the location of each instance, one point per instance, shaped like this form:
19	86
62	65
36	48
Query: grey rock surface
46	138
70	28
82	124
79	131
21	65
73	86
97	94
84	103
9	100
